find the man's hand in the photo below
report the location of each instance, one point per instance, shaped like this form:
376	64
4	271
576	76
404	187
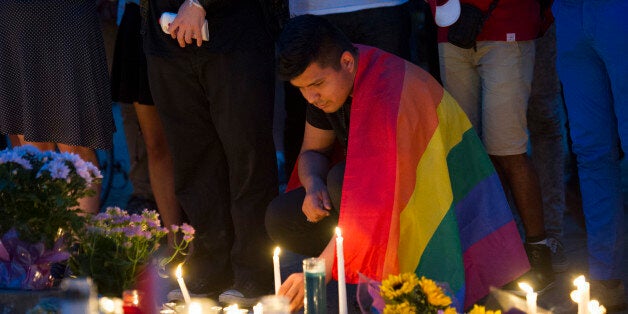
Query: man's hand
188	23
294	289
317	203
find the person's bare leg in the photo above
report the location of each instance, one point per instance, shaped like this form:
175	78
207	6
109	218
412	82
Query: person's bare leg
160	167
89	204
522	180
18	140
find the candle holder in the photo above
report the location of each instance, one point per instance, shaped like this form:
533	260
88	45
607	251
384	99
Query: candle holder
315	286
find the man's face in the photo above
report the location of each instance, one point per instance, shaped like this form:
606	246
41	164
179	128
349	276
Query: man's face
327	88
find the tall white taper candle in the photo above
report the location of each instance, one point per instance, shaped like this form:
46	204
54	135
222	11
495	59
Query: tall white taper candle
184	289
342	287
276	269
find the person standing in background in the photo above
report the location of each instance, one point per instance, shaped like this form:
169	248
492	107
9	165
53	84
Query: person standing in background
491	81
215	99
54	83
592	42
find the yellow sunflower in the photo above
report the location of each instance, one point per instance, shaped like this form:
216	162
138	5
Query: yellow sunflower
478	309
396	286
401	308
450	310
434	293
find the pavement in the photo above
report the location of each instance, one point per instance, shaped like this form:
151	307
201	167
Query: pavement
118	188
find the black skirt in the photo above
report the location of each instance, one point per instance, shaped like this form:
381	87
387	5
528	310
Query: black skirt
129	77
54	84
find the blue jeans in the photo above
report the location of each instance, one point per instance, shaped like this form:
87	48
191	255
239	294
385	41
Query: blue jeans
592	44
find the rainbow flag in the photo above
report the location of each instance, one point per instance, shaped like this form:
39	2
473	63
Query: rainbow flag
420	193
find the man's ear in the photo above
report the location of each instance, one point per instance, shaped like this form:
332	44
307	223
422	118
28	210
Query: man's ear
347	61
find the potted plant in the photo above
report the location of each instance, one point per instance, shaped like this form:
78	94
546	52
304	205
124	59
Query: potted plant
39	193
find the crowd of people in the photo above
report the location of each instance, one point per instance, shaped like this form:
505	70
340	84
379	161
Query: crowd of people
370	123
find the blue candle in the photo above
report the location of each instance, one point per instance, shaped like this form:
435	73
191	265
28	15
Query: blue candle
315	290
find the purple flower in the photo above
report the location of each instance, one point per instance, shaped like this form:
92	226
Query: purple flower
175	228
11	156
57	169
135	218
187	229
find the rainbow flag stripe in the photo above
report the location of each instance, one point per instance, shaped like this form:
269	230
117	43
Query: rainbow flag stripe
420	193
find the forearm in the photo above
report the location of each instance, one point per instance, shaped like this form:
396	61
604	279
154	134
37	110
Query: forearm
313	168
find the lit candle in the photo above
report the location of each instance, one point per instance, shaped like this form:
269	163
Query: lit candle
195	308
596	308
342	288
583	294
530	297
277	269
258	308
184	289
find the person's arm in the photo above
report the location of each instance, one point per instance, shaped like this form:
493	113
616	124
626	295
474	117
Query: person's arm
188	23
294	286
313	167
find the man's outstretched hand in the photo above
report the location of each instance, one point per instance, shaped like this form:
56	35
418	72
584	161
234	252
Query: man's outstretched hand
294	289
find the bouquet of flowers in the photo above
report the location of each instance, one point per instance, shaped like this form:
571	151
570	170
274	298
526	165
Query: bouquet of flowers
116	246
406	293
39	194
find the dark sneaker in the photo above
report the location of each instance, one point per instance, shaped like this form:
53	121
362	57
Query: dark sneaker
610	293
560	263
245	296
541	276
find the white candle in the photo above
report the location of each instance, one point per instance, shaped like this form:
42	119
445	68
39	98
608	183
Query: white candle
276	269
583	293
595	307
184	289
342	287
195	308
258	308
530	297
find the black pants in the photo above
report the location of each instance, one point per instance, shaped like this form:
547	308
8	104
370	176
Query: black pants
217	110
387	28
288	226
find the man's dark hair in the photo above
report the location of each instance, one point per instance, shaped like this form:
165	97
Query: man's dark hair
307	39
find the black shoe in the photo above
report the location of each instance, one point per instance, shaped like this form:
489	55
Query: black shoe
610	294
541	275
560	263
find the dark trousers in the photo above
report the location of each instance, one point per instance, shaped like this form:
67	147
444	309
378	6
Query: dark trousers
217	110
288	226
387	28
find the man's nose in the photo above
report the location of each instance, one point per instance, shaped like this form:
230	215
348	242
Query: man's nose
311	96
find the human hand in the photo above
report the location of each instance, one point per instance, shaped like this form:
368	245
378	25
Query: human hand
294	289
188	23
316	204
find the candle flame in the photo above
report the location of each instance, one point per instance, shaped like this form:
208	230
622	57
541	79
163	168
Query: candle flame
179	272
338	233
575	296
277	251
526	287
579	281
